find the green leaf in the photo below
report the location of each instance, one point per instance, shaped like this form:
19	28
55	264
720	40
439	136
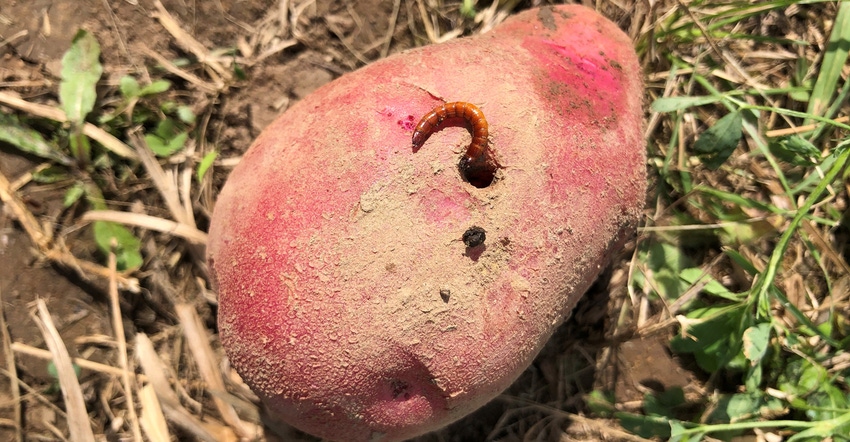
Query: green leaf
715	339
239	72
168	107
467	8
205	164
128	247
664	403
824	430
716	144
826	402
175	144
694	275
678	433
157	87
29	141
81	70
644	426
166	129
664	263
73	194
734	199
600	403
754	378
740	405
812	377
795	150
129	87
185	114
756	340
834	60
165	148
743	407
49	175
155	143
801	377
672	104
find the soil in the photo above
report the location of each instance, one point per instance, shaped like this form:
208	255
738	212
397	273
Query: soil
337	37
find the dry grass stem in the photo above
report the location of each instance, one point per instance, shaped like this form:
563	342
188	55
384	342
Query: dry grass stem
276	48
220	74
826	247
8	41
55	251
177	198
332	26
205	359
14	387
19	210
72	395
164	184
296	15
491	16
127	380
801	129
33	393
193	79
184	187
60	255
155	370
268	37
388	37
599	429
108	141
152	419
185	231
20	347
228	162
431	29
26	177
283	16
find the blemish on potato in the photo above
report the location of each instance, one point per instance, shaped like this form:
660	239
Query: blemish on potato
400	389
474	236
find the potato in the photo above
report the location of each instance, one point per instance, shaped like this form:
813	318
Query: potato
349	301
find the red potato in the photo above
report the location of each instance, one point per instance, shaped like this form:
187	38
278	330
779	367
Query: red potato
349	302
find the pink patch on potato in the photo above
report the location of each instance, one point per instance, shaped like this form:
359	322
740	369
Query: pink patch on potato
348	301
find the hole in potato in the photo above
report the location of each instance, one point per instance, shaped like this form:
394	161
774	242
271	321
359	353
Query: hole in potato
479	172
400	390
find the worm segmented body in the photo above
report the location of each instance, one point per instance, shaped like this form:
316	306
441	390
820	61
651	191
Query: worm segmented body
477	165
467	111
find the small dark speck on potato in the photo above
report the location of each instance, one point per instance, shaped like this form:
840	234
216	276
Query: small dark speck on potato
474	236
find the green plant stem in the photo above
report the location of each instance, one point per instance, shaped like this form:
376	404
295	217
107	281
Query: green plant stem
797	114
746	426
763	284
80	146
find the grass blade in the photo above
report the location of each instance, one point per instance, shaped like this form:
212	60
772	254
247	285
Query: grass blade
833	62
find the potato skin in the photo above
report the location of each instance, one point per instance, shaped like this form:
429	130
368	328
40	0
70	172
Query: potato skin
348	301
